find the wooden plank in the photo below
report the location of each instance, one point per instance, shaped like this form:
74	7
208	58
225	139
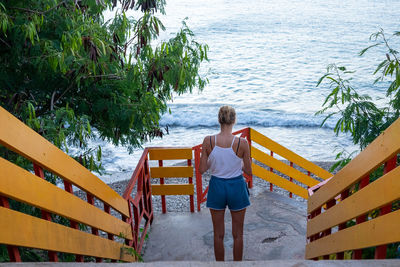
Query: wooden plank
382	230
279	181
21	185
18	137
288	154
369	198
167	153
282	167
172	189
170	172
19	229
384	147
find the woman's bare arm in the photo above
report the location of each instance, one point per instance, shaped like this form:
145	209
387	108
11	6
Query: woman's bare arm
246	158
204	156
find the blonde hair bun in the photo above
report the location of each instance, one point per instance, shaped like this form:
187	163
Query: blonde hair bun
226	115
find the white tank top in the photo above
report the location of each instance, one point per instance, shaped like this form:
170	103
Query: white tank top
223	162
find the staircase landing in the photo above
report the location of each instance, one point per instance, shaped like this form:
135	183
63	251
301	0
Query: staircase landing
275	228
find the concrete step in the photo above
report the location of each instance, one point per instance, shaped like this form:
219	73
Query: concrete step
274	228
273	263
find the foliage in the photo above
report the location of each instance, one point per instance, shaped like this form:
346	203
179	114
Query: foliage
3	254
65	70
130	250
357	113
73	76
359	116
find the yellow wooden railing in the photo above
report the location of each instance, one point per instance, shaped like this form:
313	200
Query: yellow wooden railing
336	203
18	229
273	164
365	216
270	169
161	172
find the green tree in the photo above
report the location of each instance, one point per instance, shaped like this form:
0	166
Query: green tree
357	114
64	70
360	116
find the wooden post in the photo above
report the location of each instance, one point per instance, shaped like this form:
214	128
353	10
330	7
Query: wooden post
271	187
291	179
95	231
13	252
45	215
381	251
357	254
163	204
199	182
189	163
248	137
329	205
68	188
343	196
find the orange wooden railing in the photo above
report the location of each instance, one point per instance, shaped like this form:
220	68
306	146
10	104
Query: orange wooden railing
354	210
19	229
270	169
160	154
274	171
347	212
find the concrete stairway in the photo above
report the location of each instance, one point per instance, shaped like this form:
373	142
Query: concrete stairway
273	263
275	229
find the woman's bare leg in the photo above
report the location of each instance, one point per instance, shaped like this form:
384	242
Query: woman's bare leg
237	233
219	231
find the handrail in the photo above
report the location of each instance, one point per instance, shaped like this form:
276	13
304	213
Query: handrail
268	165
304	180
140	205
289	155
172	153
25	230
353	197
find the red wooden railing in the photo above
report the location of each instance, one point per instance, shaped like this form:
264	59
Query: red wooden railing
140	204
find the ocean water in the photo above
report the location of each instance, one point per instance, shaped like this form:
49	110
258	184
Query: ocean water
265	60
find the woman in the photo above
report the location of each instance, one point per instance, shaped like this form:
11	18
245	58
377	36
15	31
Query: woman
227	156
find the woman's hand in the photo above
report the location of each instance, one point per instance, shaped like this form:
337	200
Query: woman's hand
205	151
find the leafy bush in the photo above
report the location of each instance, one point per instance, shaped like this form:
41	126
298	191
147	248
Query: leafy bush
358	114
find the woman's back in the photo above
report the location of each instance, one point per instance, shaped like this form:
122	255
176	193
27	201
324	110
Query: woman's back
224	162
223	154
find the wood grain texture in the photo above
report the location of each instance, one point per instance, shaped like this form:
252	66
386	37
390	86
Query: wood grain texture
373	196
282	167
171	172
384	147
19	229
279	181
382	230
19	184
288	154
175	189
167	153
18	137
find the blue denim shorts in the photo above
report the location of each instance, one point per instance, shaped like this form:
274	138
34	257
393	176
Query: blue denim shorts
232	192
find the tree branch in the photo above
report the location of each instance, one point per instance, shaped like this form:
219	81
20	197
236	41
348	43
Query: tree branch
7	44
38	11
107	76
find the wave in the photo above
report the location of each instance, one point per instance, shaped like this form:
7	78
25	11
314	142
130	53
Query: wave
182	116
